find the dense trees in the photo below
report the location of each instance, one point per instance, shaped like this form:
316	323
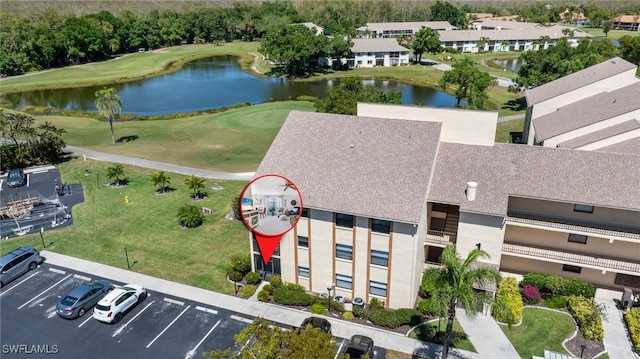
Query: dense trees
444	11
293	47
471	84
344	98
630	48
425	40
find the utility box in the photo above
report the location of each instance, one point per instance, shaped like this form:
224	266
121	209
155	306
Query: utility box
627	299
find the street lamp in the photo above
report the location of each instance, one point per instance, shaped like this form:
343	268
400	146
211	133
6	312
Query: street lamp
330	286
582	347
126	254
42	238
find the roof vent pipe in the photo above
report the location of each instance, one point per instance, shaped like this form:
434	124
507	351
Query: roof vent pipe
471	190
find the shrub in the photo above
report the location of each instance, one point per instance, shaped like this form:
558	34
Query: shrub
190	216
530	294
268	288
252	278
376	303
426	307
318	308
293	287
632	317
348	316
508	305
240	263
234	275
550	285
337	306
578	287
395	318
588	316
306	98
275	281
292	297
556	302
264	296
359	312
247	291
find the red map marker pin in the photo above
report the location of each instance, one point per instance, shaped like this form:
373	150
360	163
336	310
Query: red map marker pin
271	206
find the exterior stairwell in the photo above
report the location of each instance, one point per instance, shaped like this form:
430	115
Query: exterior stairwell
451	223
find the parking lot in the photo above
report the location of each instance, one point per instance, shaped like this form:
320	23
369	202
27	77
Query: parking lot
159	327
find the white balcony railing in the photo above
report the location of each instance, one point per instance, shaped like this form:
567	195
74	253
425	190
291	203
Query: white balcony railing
440	237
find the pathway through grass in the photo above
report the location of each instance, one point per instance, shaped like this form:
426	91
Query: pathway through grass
428	332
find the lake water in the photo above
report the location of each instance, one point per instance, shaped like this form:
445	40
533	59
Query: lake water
210	83
509	64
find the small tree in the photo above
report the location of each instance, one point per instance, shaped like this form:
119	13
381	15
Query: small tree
482	43
109	105
190	216
160	179
504	44
114	173
195	184
608	25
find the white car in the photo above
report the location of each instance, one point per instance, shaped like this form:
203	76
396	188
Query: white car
114	305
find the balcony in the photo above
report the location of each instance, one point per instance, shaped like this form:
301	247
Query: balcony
439	238
572	258
605	230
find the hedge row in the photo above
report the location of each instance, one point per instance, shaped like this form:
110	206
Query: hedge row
508	305
588	316
394	318
552	285
632	317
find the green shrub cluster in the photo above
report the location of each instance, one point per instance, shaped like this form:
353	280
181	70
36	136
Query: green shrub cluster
587	314
632	317
551	284
394	318
239	266
268	288
426	307
556	302
359	312
264	296
508	305
247	291
252	278
318	308
348	316
275	281
292	297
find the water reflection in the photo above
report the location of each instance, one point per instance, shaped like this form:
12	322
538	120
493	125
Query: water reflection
509	64
210	83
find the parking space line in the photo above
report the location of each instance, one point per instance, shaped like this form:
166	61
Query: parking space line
212	311
192	351
168	326
241	319
173	301
81	277
44	291
132	319
340	349
24	280
59	271
89	317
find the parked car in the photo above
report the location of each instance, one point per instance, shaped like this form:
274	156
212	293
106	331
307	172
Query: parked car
82	298
358	346
114	305
18	262
16	178
317	322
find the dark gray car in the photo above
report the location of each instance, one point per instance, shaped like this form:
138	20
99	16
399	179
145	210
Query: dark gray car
82	298
18	262
16	178
359	346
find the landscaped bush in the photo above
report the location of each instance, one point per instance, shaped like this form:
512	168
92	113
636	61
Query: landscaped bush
318	308
275	281
247	291
556	302
530	294
240	263
268	288
348	316
190	216
293	287
395	318
550	285
632	317
587	314
426	307
336	306
264	296
376	303
252	278
578	287
292	297
359	312
234	275
508	305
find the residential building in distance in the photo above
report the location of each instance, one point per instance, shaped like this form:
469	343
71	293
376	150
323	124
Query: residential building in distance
318	30
597	108
492	24
627	22
575	18
373	52
385	191
398	29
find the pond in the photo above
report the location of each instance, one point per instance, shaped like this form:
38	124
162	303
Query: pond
509	64
210	83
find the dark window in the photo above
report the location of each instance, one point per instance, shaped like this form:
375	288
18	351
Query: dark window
344	220
256	248
380	226
273	267
303	241
303	272
582	208
380	258
378	288
344	281
305	212
570	268
344	251
577	238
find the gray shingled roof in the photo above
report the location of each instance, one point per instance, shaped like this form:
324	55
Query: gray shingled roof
554	33
517	25
628	147
384	175
588	111
377	45
577	80
595	178
416	25
601	134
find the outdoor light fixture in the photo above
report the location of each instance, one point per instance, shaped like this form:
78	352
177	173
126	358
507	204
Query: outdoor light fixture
478	245
330	286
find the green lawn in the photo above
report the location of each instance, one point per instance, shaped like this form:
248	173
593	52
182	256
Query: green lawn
427	332
504	128
540	329
613	34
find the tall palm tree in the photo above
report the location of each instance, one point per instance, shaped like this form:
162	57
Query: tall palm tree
109	105
453	284
482	42
195	184
504	44
115	172
160	179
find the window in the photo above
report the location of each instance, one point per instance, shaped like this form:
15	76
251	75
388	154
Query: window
570	268
303	241
582	208
256	248
378	288
380	226
303	272
344	281
343	251
577	238
305	212
344	220
379	258
369	62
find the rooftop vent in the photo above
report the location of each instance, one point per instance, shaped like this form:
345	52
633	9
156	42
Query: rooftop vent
471	190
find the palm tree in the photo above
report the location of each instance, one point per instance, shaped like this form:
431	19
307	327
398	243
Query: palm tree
109	105
567	32
482	42
195	184
160	179
453	284
504	44
544	40
115	172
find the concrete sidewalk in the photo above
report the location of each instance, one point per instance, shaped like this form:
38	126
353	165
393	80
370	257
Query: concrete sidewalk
288	316
616	338
486	335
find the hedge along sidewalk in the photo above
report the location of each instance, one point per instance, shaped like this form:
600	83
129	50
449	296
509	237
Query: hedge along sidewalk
486	336
616	339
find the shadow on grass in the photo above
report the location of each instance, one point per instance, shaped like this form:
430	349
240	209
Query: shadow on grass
428	332
124	139
519	104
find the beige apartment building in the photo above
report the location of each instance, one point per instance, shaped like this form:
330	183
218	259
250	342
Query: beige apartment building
385	191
